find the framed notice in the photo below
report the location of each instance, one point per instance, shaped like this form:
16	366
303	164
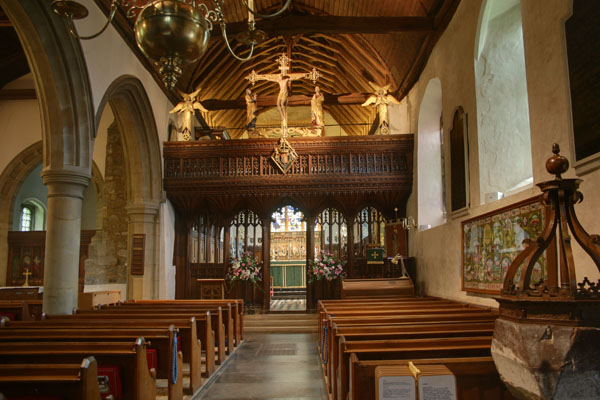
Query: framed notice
490	243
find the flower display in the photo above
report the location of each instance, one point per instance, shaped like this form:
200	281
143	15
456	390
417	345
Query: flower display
246	268
327	267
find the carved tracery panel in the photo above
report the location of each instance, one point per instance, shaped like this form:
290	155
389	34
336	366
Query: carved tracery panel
369	228
245	234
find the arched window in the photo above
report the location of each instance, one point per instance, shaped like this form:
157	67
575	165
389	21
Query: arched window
502	102
32	216
431	168
27	214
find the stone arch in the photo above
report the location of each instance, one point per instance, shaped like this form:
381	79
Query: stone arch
11	180
131	107
431	205
63	89
133	113
62	85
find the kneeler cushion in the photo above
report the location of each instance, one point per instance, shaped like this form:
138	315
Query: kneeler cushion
152	357
112	384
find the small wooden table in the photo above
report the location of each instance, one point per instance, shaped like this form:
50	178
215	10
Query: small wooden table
211	288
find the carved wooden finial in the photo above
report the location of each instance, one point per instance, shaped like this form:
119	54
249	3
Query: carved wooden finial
557	164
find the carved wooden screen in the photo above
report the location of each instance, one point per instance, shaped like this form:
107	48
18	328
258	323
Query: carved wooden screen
206	241
331	233
369	228
245	234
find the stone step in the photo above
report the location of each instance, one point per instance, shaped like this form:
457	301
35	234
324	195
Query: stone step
289	294
290	316
281	329
281	322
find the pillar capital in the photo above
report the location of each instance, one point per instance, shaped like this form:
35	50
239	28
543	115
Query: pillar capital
66	183
142	212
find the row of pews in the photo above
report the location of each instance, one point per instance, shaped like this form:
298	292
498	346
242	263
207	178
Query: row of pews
118	350
361	336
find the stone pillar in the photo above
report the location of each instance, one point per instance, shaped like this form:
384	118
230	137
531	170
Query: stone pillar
63	234
143	219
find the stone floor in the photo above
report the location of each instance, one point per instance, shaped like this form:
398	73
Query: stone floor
270	366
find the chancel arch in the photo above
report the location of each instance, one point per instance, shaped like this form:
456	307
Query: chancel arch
288	243
502	101
330	176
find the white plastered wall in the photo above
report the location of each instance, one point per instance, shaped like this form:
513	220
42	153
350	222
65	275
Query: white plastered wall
438	250
21	122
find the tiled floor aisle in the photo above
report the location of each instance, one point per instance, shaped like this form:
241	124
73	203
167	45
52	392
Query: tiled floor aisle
271	366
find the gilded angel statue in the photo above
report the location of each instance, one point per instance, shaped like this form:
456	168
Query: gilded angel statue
185	109
380	99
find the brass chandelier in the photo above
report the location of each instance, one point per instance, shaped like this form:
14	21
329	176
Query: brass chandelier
171	32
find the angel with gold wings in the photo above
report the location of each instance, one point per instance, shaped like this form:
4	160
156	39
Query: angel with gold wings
185	109
380	99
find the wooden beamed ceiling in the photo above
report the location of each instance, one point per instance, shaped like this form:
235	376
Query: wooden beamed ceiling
350	42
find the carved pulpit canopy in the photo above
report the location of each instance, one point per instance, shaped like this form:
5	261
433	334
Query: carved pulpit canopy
545	343
559	197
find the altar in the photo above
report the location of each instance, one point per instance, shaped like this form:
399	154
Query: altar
21	293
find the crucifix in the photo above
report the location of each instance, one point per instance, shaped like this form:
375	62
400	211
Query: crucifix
26	273
285	80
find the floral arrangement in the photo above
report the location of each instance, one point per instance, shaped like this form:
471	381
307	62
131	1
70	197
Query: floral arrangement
246	268
326	266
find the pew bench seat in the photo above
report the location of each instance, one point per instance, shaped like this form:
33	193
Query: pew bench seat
72	381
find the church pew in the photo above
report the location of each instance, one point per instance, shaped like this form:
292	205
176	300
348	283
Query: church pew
203	323
156	312
161	339
16	310
402	317
227	311
407	349
334	306
72	381
231	315
239	308
138	382
476	377
188	332
398	332
389	309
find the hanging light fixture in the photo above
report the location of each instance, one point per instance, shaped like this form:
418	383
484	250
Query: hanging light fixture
171	32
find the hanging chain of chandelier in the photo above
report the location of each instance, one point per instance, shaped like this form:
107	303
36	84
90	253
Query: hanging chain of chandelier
172	33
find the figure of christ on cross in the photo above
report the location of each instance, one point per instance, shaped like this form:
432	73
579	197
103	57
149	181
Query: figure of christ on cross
285	80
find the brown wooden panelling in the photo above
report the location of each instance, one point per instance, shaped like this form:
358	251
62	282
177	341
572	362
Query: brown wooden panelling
138	248
27	250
